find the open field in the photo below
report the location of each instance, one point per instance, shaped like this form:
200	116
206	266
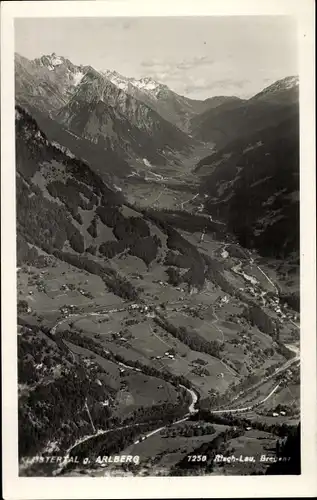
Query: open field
209	313
134	390
47	290
139	391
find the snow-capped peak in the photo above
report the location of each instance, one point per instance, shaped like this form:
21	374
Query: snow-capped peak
145	84
118	80
286	83
51	61
77	77
56	60
290	81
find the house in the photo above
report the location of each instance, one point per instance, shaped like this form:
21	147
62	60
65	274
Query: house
134	306
274	414
283	413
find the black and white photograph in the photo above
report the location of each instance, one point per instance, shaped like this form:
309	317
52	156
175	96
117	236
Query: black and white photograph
158	246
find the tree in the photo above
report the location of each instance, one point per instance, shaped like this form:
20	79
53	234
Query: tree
22	306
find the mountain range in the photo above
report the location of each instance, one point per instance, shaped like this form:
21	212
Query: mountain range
90	104
117	123
157	278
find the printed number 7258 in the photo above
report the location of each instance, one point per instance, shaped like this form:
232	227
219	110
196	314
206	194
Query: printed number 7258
197	458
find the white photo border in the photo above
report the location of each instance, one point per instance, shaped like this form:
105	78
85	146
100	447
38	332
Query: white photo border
15	487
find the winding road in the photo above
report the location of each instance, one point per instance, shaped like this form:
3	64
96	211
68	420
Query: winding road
99	432
188	201
247	408
193	395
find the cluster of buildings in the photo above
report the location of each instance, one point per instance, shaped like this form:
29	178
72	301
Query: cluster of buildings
281	309
118	336
277	414
143	309
169	354
68	309
272	302
160	282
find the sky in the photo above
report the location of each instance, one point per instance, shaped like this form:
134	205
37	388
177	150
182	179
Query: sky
198	57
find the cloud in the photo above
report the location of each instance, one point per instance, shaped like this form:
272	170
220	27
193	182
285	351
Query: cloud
178	74
183	65
225	85
198	76
196	62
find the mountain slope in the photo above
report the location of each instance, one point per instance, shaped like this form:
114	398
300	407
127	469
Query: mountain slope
91	106
101	112
117	315
240	118
281	91
173	107
46	83
253	184
107	163
65	209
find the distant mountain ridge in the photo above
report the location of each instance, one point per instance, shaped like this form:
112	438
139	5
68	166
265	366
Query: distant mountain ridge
235	118
276	88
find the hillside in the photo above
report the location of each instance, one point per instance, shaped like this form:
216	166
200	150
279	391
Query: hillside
253	185
144	326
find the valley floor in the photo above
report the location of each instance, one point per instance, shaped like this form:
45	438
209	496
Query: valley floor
250	377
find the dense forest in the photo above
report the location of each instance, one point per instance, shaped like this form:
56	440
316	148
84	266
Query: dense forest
262	183
289	448
287	444
55	410
56	219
